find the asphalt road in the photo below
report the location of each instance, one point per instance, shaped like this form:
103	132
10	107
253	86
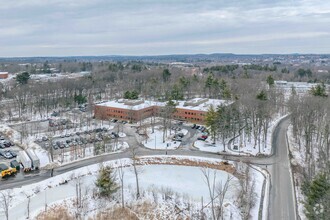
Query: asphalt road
282	205
281	196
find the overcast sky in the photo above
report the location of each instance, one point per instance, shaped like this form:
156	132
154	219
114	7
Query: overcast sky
155	27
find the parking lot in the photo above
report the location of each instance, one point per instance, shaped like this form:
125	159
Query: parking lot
8	151
81	142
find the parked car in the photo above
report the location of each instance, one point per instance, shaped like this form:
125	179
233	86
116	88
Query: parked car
194	126
38	140
6	154
202	138
55	114
180	135
7	143
176	139
197	127
12	153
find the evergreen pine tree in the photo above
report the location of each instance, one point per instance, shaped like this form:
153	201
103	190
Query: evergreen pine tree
106	182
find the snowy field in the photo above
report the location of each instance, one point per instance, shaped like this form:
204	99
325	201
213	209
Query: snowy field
185	182
247	147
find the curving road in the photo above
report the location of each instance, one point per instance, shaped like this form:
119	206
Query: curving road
282	202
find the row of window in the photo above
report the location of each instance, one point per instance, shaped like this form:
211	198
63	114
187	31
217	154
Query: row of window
114	110
193	113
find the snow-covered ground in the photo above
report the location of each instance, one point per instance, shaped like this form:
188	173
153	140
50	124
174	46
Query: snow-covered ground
297	159
12	134
248	149
155	140
70	156
173	179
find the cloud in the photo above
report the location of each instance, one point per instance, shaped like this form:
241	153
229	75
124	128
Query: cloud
81	27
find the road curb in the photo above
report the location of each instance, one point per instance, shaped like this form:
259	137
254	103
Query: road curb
292	178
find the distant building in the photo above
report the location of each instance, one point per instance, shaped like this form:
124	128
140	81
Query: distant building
3	75
193	110
299	87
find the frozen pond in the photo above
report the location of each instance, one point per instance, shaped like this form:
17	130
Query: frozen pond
182	179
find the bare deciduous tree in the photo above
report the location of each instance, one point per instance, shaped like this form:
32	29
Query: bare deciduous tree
121	174
135	169
217	192
6	198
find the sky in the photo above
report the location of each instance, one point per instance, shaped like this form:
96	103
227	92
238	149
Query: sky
158	27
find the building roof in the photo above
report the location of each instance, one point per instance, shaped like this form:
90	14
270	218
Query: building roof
201	104
197	104
130	104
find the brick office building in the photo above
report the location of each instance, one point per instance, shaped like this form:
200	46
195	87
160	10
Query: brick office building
130	110
3	75
193	110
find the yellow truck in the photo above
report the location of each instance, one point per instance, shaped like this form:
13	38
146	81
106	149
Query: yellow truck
6	171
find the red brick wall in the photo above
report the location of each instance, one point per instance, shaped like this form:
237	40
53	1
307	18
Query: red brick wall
190	115
3	75
105	112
